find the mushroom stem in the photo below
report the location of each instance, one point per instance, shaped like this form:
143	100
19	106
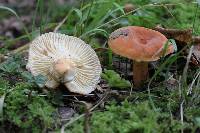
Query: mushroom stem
140	72
69	75
65	68
63	65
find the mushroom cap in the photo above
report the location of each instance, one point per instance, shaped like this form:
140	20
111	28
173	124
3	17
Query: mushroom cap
52	50
139	43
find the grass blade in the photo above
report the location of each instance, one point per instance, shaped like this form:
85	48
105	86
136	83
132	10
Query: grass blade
18	18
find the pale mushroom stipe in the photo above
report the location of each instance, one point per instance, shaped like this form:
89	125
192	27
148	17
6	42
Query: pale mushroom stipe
64	59
141	45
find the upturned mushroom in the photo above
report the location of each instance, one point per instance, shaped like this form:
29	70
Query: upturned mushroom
64	59
141	45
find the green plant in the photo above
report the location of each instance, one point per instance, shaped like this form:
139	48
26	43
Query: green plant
114	79
128	118
34	80
12	65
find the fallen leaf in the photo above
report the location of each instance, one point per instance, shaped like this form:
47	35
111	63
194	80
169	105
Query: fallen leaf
184	36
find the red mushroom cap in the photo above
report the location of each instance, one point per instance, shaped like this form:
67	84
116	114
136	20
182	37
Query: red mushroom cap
139	43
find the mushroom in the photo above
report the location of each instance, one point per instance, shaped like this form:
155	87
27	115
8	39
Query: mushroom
141	45
64	59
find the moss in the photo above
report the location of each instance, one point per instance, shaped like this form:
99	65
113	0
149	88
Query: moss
128	118
28	112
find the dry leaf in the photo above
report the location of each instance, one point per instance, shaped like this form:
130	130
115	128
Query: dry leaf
184	36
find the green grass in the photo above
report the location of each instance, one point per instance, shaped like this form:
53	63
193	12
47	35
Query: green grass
158	108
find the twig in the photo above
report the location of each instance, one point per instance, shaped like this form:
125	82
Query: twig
187	65
179	87
87	118
71	95
192	84
181	113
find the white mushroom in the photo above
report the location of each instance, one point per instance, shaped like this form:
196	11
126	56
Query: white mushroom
64	59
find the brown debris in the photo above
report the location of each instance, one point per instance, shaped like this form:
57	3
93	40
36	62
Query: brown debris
177	34
184	36
2	58
196	39
129	7
65	113
195	59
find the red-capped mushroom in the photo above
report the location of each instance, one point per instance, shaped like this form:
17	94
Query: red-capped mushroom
141	45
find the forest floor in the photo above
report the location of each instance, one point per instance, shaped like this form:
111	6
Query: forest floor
168	102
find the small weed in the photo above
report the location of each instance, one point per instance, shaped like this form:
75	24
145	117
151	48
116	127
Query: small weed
114	79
